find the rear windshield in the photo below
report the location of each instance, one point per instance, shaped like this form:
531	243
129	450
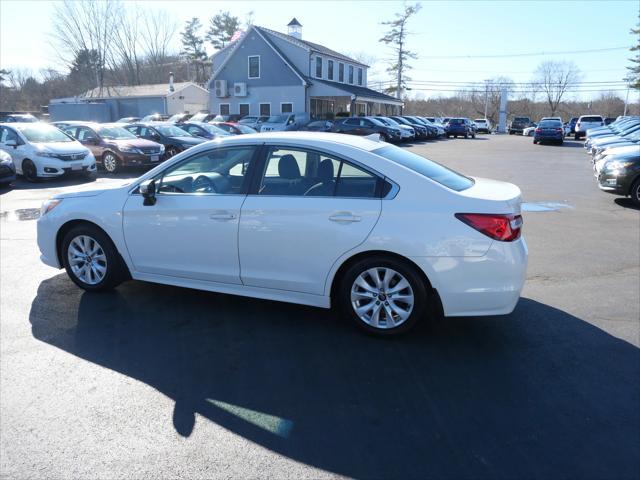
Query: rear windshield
425	167
521	119
550	124
456	121
591	119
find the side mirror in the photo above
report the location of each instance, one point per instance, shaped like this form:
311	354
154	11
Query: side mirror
148	192
11	143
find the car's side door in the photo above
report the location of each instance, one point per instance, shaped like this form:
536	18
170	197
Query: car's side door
90	139
307	208
192	229
11	143
366	127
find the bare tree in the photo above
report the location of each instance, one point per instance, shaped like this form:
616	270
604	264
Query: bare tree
158	31
125	59
85	25
397	37
553	79
489	97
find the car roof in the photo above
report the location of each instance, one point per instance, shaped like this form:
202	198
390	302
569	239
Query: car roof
362	143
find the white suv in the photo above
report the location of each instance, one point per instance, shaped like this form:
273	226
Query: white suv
483	125
40	150
585	122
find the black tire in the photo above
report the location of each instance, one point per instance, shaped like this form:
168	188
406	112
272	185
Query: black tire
404	269
634	192
111	163
535	141
385	138
466	135
116	270
560	142
171	151
29	171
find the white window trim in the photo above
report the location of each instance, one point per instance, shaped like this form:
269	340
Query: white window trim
286	103
248	109
344	73
249	67
315	66
333	70
220	109
260	109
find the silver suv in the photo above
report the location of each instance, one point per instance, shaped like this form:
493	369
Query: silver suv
585	122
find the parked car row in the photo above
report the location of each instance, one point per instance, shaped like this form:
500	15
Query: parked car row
615	154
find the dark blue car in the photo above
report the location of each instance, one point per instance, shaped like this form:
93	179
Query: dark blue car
551	131
459	127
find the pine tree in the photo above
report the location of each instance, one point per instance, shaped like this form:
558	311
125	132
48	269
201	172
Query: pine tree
193	47
634	70
221	30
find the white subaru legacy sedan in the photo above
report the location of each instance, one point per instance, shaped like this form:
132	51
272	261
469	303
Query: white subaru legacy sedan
318	219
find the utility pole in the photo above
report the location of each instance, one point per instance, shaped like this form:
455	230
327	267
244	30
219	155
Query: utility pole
486	97
626	102
400	50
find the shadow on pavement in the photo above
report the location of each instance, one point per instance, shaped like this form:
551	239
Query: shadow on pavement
537	394
626	203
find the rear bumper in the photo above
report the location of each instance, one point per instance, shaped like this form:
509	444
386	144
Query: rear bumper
137	159
479	286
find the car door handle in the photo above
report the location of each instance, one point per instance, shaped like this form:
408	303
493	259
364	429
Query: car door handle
344	217
222	215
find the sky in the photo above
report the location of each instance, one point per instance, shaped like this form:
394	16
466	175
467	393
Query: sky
462	31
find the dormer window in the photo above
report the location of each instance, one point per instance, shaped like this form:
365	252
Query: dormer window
254	66
319	67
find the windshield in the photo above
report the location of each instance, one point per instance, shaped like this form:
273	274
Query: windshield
44	134
213	129
245	129
425	167
391	121
277	119
115	133
171	131
377	122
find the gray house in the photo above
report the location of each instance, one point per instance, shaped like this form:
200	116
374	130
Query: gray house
112	103
266	72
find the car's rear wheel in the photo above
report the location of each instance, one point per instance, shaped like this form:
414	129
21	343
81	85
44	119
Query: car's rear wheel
110	162
383	296
635	192
29	171
535	141
91	259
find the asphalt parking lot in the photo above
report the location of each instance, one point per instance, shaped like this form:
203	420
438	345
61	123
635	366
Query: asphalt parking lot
154	381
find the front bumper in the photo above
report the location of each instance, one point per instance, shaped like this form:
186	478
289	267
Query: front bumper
479	286
53	168
615	183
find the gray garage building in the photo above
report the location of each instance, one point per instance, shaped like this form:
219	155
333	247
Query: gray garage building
112	103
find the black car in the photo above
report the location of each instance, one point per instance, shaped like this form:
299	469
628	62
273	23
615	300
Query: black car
17	117
366	126
518	124
421	130
318	126
432	131
174	139
620	175
202	130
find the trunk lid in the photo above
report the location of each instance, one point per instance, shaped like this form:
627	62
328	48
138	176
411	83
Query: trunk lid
493	196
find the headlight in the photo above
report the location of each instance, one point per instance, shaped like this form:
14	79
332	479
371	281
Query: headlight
161	148
127	149
619	164
49	205
47	154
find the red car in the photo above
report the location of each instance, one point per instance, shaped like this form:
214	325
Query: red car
234	128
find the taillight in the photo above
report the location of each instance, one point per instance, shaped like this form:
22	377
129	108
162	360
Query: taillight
538	130
502	227
558	129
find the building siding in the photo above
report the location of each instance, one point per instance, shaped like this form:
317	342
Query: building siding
193	99
269	94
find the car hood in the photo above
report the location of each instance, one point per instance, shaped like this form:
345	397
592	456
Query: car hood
622	149
609	139
91	193
135	143
189	140
64	148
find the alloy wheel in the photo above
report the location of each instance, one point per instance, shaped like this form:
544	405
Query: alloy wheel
87	259
110	163
29	171
382	298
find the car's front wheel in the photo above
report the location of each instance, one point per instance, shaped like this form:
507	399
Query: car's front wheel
91	259
29	171
171	151
635	192
110	162
383	296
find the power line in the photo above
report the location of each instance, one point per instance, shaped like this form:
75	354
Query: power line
530	54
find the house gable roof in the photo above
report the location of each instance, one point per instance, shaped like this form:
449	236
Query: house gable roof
154	90
237	44
315	47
